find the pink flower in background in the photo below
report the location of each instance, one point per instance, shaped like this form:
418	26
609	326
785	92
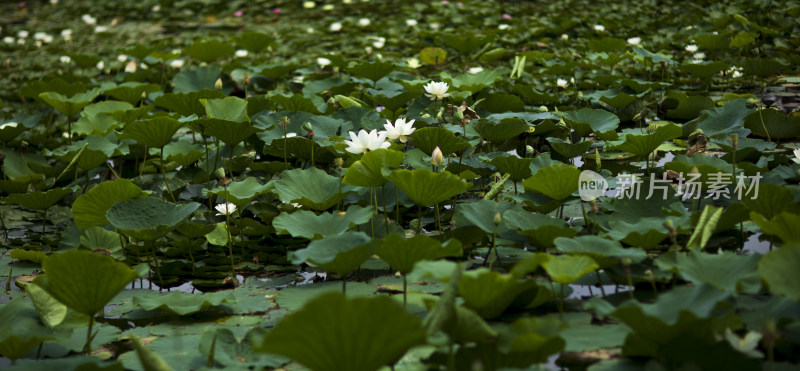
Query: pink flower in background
238	13
460	3
506	16
22	4
276	11
445	2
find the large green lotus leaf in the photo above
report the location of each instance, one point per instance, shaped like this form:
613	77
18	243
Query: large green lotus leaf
784	225
427	188
703	70
300	148
489	293
228	109
541	229
100	124
691	107
566	269
90	208
499	103
184	304
646	233
728	271
762	67
392	100
473	82
148	212
221	345
106	106
778	124
366	172
499	132
84	281
583	336
295	103
433	55
467	43
335	333
51	311
131	92
187	103
72	105
254	42
605	252
276	70
402	254
183	152
38	200
312	188
726	120
586	120
645	144
98	150
295	298
340	254
427	139
518	168
240	192
229	132
309	225
606	44
557	181
481	214
204	77
149	360
131	115
371	70
771	200
567	149
15	345
28	255
20	330
99	238
67	363
156	132
209	50
779	270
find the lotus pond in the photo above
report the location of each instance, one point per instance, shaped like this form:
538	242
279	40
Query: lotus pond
408	185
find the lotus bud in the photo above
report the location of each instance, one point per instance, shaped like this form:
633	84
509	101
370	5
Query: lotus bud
542	108
218	84
437	158
220	173
246	79
735	140
130	67
670	228
580	95
144	94
497	219
652	128
338	162
459	115
529	151
307	127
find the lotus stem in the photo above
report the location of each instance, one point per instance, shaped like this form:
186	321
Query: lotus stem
405	291
144	161
228	231
88	347
385	215
600	283
164	174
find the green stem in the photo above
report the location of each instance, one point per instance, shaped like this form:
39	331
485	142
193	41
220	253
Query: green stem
230	239
164	174
88	347
405	290
419	219
385	214
600	283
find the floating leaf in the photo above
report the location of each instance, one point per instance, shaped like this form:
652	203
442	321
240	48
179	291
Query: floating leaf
371	70
433	56
148	212
502	131
209	50
182	303
489	293
240	192
38	200
228	109
586	120
309	225
778	124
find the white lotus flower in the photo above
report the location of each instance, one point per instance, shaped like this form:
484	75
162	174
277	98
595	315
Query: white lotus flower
413	63
564	37
22	34
474	70
100	65
378	41
290	135
241	53
66	34
322	62
8	40
399	130
225	209
796	158
503	26
328	7
635	40
9	125
88	19
746	345
40	36
176	63
335	27
130	67
366	141
309	4
65	59
364	22
436	90
561	83
691	48
411	22
437	158
599	28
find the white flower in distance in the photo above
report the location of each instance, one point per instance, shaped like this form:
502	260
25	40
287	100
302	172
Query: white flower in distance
796	158
8	40
691	48
88	19
309	4
413	63
411	22
65	59
241	53
561	83
399	130
336	26
364	22
225	209
474	70
436	90
503	26
130	67
22	34
746	345
9	125
599	28
366	141
635	40
322	62
176	63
